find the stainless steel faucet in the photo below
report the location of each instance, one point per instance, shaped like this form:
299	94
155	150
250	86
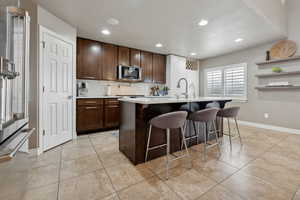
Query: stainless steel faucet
186	94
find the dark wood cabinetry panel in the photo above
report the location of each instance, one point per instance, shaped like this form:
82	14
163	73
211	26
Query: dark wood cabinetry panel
111	113
146	65
98	61
159	68
135	57
123	56
88	59
109	59
96	114
89	115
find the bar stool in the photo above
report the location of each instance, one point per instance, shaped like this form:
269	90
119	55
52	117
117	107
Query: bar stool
173	120
206	116
190	108
230	113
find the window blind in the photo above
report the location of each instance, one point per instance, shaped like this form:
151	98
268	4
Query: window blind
234	81
227	81
215	83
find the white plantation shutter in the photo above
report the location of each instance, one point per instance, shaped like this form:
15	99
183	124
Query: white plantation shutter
235	81
214	83
227	81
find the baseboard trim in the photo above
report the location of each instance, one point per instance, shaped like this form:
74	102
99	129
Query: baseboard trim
270	127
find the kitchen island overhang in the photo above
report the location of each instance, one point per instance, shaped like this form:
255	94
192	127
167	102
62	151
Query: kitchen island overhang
135	113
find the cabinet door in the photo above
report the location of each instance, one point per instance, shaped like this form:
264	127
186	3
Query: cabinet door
146	64
109	62
88	59
135	57
111	113
123	56
159	68
89	118
112	116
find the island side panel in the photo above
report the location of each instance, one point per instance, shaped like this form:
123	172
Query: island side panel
127	130
144	113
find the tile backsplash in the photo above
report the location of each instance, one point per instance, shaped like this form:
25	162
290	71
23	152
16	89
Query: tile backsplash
112	88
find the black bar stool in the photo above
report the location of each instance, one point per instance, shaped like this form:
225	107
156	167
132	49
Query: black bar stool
230	113
207	117
173	120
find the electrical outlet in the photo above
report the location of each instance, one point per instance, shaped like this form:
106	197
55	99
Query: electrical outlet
266	115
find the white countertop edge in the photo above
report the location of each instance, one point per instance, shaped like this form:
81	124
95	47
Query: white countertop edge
172	100
98	97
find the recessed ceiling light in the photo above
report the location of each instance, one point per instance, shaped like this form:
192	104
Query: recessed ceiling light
203	22
193	54
158	45
239	40
113	21
105	32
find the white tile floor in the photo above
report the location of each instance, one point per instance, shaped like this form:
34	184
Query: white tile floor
267	166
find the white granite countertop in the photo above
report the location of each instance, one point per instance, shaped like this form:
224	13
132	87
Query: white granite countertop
98	97
172	100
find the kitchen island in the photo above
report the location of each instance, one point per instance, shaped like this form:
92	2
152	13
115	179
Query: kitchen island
135	114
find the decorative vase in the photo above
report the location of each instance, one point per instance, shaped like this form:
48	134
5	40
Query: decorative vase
267	55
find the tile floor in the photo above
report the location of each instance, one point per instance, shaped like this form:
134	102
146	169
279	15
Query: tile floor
267	166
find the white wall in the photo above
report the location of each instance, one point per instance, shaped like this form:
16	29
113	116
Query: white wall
176	69
56	25
282	106
293	21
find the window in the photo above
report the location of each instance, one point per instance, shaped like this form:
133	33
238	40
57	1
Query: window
227	81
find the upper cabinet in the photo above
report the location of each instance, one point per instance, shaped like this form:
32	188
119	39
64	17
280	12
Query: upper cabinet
146	65
135	57
99	61
109	59
159	68
123	56
88	59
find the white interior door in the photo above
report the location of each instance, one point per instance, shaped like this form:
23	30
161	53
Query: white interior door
57	90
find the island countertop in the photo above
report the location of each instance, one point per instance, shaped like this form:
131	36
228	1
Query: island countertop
161	100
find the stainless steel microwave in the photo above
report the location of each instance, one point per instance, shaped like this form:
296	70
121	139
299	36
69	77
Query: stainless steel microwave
129	73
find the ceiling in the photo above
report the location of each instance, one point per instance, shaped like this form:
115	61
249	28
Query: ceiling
174	23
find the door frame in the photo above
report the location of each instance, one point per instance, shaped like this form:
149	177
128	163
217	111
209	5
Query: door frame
41	100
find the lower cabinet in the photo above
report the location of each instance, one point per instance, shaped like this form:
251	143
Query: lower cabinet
112	116
97	114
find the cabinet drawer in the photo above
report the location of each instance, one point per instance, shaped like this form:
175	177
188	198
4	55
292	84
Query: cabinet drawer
89	118
89	102
111	102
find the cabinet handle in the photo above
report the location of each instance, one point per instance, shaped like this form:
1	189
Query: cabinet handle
90	108
89	77
90	102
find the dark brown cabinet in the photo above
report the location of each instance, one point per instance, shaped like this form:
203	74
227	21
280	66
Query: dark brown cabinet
135	57
99	61
146	65
159	68
88	59
97	114
109	59
111	113
123	56
89	115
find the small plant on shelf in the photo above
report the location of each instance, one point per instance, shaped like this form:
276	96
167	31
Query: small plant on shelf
276	69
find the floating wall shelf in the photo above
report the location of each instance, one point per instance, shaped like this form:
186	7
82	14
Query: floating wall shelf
278	74
279	60
278	88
